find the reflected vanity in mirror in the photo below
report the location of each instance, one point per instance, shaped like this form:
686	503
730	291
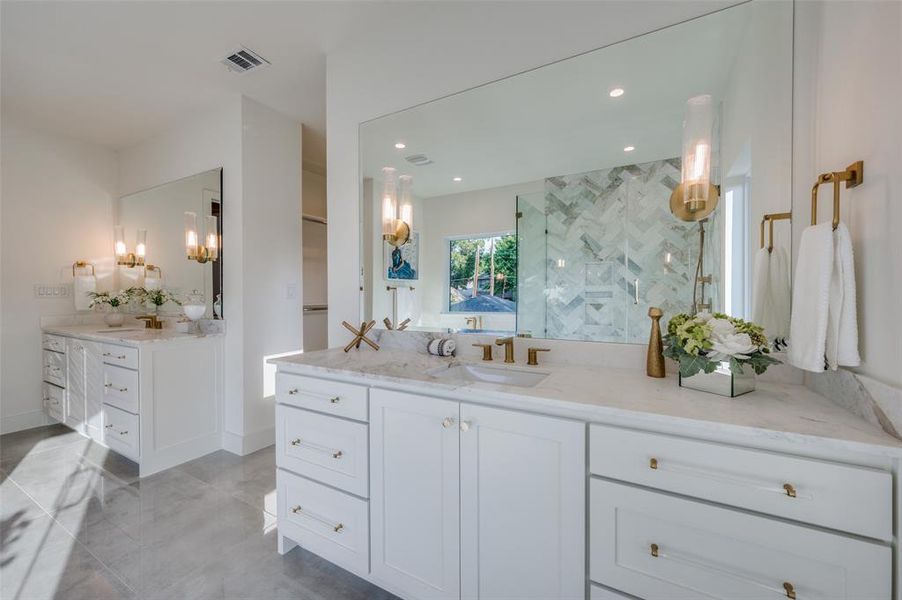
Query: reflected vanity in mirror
565	201
179	241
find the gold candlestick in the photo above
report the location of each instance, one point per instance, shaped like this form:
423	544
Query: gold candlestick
654	361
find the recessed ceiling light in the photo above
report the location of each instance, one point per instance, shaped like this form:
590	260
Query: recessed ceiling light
616	92
458	179
629	148
400	145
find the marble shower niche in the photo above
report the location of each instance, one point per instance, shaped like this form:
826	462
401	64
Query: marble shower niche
597	249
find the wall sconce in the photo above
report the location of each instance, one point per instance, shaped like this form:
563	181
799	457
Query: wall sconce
209	250
696	197
397	216
120	249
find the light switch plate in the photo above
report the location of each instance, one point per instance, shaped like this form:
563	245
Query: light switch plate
291	291
47	291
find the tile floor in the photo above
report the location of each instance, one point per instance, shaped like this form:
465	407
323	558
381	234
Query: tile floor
77	523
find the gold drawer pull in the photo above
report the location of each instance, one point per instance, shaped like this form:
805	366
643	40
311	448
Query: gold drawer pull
790	591
337	528
110	426
791	492
116	356
299	442
121	390
653	463
293	391
654	548
123	432
334	399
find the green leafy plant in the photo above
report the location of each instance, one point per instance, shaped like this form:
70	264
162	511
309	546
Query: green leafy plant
157	297
120	298
701	342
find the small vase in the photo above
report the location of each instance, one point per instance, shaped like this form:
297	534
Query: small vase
723	381
114	318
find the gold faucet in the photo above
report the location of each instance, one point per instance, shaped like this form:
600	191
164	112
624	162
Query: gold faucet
486	351
533	355
508	344
151	322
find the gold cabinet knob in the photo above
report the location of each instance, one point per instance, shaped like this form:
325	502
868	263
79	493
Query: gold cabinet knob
654	550
790	491
653	463
790	590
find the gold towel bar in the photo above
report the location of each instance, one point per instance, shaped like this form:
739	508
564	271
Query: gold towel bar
82	264
853	176
770	218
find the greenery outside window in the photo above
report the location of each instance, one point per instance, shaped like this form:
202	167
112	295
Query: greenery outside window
483	274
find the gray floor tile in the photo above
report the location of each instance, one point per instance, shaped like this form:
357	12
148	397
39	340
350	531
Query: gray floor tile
77	514
14	446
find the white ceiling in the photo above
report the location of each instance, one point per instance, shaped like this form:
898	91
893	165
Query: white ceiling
115	73
560	119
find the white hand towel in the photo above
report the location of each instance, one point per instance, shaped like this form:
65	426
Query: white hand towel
760	287
779	295
842	322
81	287
810	298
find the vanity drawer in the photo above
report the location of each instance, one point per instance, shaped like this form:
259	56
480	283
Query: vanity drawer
833	495
120	388
54	401
327	449
120	431
325	521
658	546
330	397
55	368
122	356
52	342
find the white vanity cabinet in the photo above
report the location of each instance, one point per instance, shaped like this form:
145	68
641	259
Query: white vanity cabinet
475	502
157	402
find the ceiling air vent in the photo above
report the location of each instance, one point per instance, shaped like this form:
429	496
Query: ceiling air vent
243	60
419	160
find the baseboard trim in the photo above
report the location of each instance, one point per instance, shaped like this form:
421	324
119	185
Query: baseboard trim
243	445
20	422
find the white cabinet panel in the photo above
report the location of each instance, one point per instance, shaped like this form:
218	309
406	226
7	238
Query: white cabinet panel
323	520
414	471
93	391
322	395
324	448
121	356
121	431
53	342
120	388
55	368
522	505
662	547
844	497
54	401
76	392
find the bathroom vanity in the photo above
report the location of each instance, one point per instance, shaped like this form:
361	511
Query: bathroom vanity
593	482
151	395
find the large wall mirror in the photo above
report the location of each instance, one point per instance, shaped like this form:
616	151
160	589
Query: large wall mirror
544	203
165	214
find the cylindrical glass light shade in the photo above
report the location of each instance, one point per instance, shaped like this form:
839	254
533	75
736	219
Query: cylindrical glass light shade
211	236
698	132
119	247
141	245
191	237
405	200
389	201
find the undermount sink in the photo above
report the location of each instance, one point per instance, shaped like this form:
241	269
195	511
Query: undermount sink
486	374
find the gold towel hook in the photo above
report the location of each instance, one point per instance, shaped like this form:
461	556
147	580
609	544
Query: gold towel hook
853	176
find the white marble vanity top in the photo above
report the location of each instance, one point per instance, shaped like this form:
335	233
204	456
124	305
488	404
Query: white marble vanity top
128	334
778	413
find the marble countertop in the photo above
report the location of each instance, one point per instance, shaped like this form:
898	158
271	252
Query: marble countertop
130	335
777	412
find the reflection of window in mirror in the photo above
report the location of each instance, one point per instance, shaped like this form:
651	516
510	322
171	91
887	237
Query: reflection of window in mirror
482	274
737	290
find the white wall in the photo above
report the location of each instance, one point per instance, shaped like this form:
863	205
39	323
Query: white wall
57	199
848	90
259	152
467	46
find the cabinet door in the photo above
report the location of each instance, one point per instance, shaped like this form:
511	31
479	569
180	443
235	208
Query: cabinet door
93	390
414	497
523	501
75	384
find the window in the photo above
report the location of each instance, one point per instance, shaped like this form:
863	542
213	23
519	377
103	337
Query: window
483	274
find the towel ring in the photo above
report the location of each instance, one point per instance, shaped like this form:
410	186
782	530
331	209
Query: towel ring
151	269
82	264
853	176
770	218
